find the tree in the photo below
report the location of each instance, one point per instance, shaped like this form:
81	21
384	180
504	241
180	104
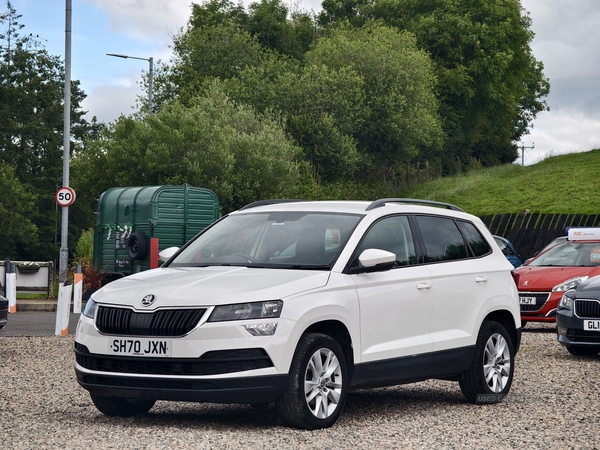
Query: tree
268	22
31	130
358	96
321	107
490	85
400	118
219	51
19	233
211	143
222	40
362	96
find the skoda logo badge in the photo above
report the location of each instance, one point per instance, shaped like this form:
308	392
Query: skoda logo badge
148	300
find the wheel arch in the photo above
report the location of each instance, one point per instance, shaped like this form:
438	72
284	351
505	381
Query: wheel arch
505	318
337	331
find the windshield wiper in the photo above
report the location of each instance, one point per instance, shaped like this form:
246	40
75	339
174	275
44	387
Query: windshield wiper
305	266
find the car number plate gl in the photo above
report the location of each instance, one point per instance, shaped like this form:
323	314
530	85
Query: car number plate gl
140	347
527	300
591	325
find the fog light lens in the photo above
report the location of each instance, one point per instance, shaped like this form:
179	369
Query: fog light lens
562	331
261	329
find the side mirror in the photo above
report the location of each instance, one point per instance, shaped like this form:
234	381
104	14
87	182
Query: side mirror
375	260
167	253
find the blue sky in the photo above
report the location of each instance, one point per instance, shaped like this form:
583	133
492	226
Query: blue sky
567	41
132	27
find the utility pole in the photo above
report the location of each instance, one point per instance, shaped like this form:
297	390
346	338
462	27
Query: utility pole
64	235
523	152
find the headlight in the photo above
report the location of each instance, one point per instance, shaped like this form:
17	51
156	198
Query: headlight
90	308
566	302
569	284
243	311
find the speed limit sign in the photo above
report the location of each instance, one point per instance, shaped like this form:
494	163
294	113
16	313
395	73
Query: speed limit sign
65	196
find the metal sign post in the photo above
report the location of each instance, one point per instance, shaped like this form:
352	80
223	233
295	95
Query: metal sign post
64	235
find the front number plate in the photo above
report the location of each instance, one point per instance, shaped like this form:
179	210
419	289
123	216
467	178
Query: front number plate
527	300
591	325
140	347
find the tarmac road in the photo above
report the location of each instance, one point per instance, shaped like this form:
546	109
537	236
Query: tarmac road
35	323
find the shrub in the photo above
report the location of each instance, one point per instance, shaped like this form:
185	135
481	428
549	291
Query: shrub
84	250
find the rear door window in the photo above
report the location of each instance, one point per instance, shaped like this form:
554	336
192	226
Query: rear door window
441	238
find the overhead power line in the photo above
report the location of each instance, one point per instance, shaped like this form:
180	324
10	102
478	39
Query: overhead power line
555	81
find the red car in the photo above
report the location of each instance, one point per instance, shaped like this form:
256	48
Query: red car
543	280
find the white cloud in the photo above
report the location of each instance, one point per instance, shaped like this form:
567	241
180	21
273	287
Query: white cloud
152	21
103	101
559	132
567	38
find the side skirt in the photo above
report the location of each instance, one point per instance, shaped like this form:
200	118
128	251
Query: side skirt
408	369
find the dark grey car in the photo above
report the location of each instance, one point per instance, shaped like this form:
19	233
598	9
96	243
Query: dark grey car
578	319
3	311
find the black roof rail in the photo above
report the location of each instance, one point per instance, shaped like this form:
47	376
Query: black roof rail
273	201
383	201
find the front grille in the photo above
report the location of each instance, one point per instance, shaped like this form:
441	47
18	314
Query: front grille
576	335
587	308
211	363
540	300
126	322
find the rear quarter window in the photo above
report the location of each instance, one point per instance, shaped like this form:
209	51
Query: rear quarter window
475	239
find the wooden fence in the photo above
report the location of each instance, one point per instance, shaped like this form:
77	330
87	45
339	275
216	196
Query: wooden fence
529	233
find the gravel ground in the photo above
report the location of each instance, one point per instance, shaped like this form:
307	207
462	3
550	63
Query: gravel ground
554	403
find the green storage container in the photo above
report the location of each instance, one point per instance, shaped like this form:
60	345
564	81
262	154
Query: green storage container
128	217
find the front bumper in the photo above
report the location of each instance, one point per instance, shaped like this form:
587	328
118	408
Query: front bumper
539	318
258	389
216	363
545	308
569	330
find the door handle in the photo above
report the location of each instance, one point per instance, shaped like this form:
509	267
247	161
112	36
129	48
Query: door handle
481	279
423	286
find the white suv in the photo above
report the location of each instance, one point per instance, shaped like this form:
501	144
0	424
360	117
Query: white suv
298	302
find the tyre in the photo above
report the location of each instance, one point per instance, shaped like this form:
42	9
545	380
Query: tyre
137	246
121	407
317	385
491	372
579	350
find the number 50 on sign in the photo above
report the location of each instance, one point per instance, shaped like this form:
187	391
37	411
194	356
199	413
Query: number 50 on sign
65	196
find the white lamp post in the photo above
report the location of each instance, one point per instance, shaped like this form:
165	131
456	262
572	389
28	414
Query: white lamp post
150	74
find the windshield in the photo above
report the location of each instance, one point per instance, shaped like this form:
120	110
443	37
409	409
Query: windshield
570	254
278	240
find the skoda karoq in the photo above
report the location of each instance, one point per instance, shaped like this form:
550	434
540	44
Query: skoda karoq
297	303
